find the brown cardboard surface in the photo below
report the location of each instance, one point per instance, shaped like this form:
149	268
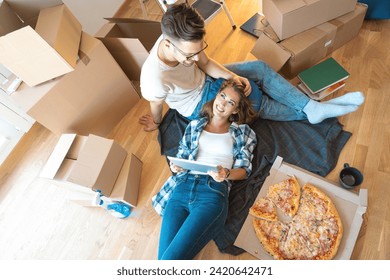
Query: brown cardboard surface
350	206
60	28
129	41
127	185
28	10
308	47
91	99
98	164
30	57
290	17
9	21
88	161
147	31
92	18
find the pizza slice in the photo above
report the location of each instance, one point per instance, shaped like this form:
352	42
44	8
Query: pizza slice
286	195
270	235
264	208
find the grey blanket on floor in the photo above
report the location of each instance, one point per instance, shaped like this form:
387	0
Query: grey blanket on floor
315	148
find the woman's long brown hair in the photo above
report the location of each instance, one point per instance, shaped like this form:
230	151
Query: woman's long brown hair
245	112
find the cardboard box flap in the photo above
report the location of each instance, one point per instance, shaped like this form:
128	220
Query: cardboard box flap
146	31
57	156
267	50
348	205
30	57
9	21
28	10
93	18
98	164
127	185
60	28
77	146
129	53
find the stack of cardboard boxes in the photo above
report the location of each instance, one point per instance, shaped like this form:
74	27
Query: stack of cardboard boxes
78	85
300	33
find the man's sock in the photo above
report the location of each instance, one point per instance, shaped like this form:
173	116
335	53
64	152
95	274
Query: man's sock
351	98
316	112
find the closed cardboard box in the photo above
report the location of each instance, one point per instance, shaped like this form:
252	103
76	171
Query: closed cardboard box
299	52
290	17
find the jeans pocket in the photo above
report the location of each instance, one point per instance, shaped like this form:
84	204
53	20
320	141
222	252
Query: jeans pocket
220	188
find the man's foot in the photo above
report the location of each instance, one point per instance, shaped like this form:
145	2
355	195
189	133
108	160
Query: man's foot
352	98
316	112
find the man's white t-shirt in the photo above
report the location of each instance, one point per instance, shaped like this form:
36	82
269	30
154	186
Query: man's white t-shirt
180	86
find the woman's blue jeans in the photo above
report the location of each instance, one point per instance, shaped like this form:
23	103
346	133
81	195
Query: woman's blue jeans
272	96
194	215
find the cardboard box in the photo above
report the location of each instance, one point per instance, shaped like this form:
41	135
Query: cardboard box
350	206
50	51
60	28
290	17
96	163
128	182
91	99
303	50
89	161
129	41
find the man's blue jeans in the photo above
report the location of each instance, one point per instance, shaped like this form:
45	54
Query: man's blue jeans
272	96
194	215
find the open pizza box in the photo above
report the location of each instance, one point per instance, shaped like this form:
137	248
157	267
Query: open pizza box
350	206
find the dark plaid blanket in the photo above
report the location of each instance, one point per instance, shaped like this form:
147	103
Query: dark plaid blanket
315	148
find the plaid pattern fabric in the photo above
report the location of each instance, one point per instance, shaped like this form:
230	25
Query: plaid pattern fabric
244	142
315	148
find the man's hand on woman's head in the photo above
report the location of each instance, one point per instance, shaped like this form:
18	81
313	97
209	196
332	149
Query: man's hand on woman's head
245	82
148	122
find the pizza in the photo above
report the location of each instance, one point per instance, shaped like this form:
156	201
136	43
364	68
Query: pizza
286	195
314	232
264	208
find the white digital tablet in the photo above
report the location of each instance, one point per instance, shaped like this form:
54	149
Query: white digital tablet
193	165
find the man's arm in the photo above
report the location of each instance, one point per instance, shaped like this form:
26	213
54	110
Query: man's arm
216	70
151	122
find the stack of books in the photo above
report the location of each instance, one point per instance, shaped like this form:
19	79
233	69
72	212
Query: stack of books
322	79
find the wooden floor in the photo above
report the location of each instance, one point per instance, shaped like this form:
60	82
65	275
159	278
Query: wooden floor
40	219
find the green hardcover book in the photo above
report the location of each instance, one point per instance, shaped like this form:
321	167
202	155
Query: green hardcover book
323	75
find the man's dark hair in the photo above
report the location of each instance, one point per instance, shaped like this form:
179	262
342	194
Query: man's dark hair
183	22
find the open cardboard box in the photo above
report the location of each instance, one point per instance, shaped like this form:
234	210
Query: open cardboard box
51	50
350	206
97	163
40	55
91	99
129	41
303	50
290	17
